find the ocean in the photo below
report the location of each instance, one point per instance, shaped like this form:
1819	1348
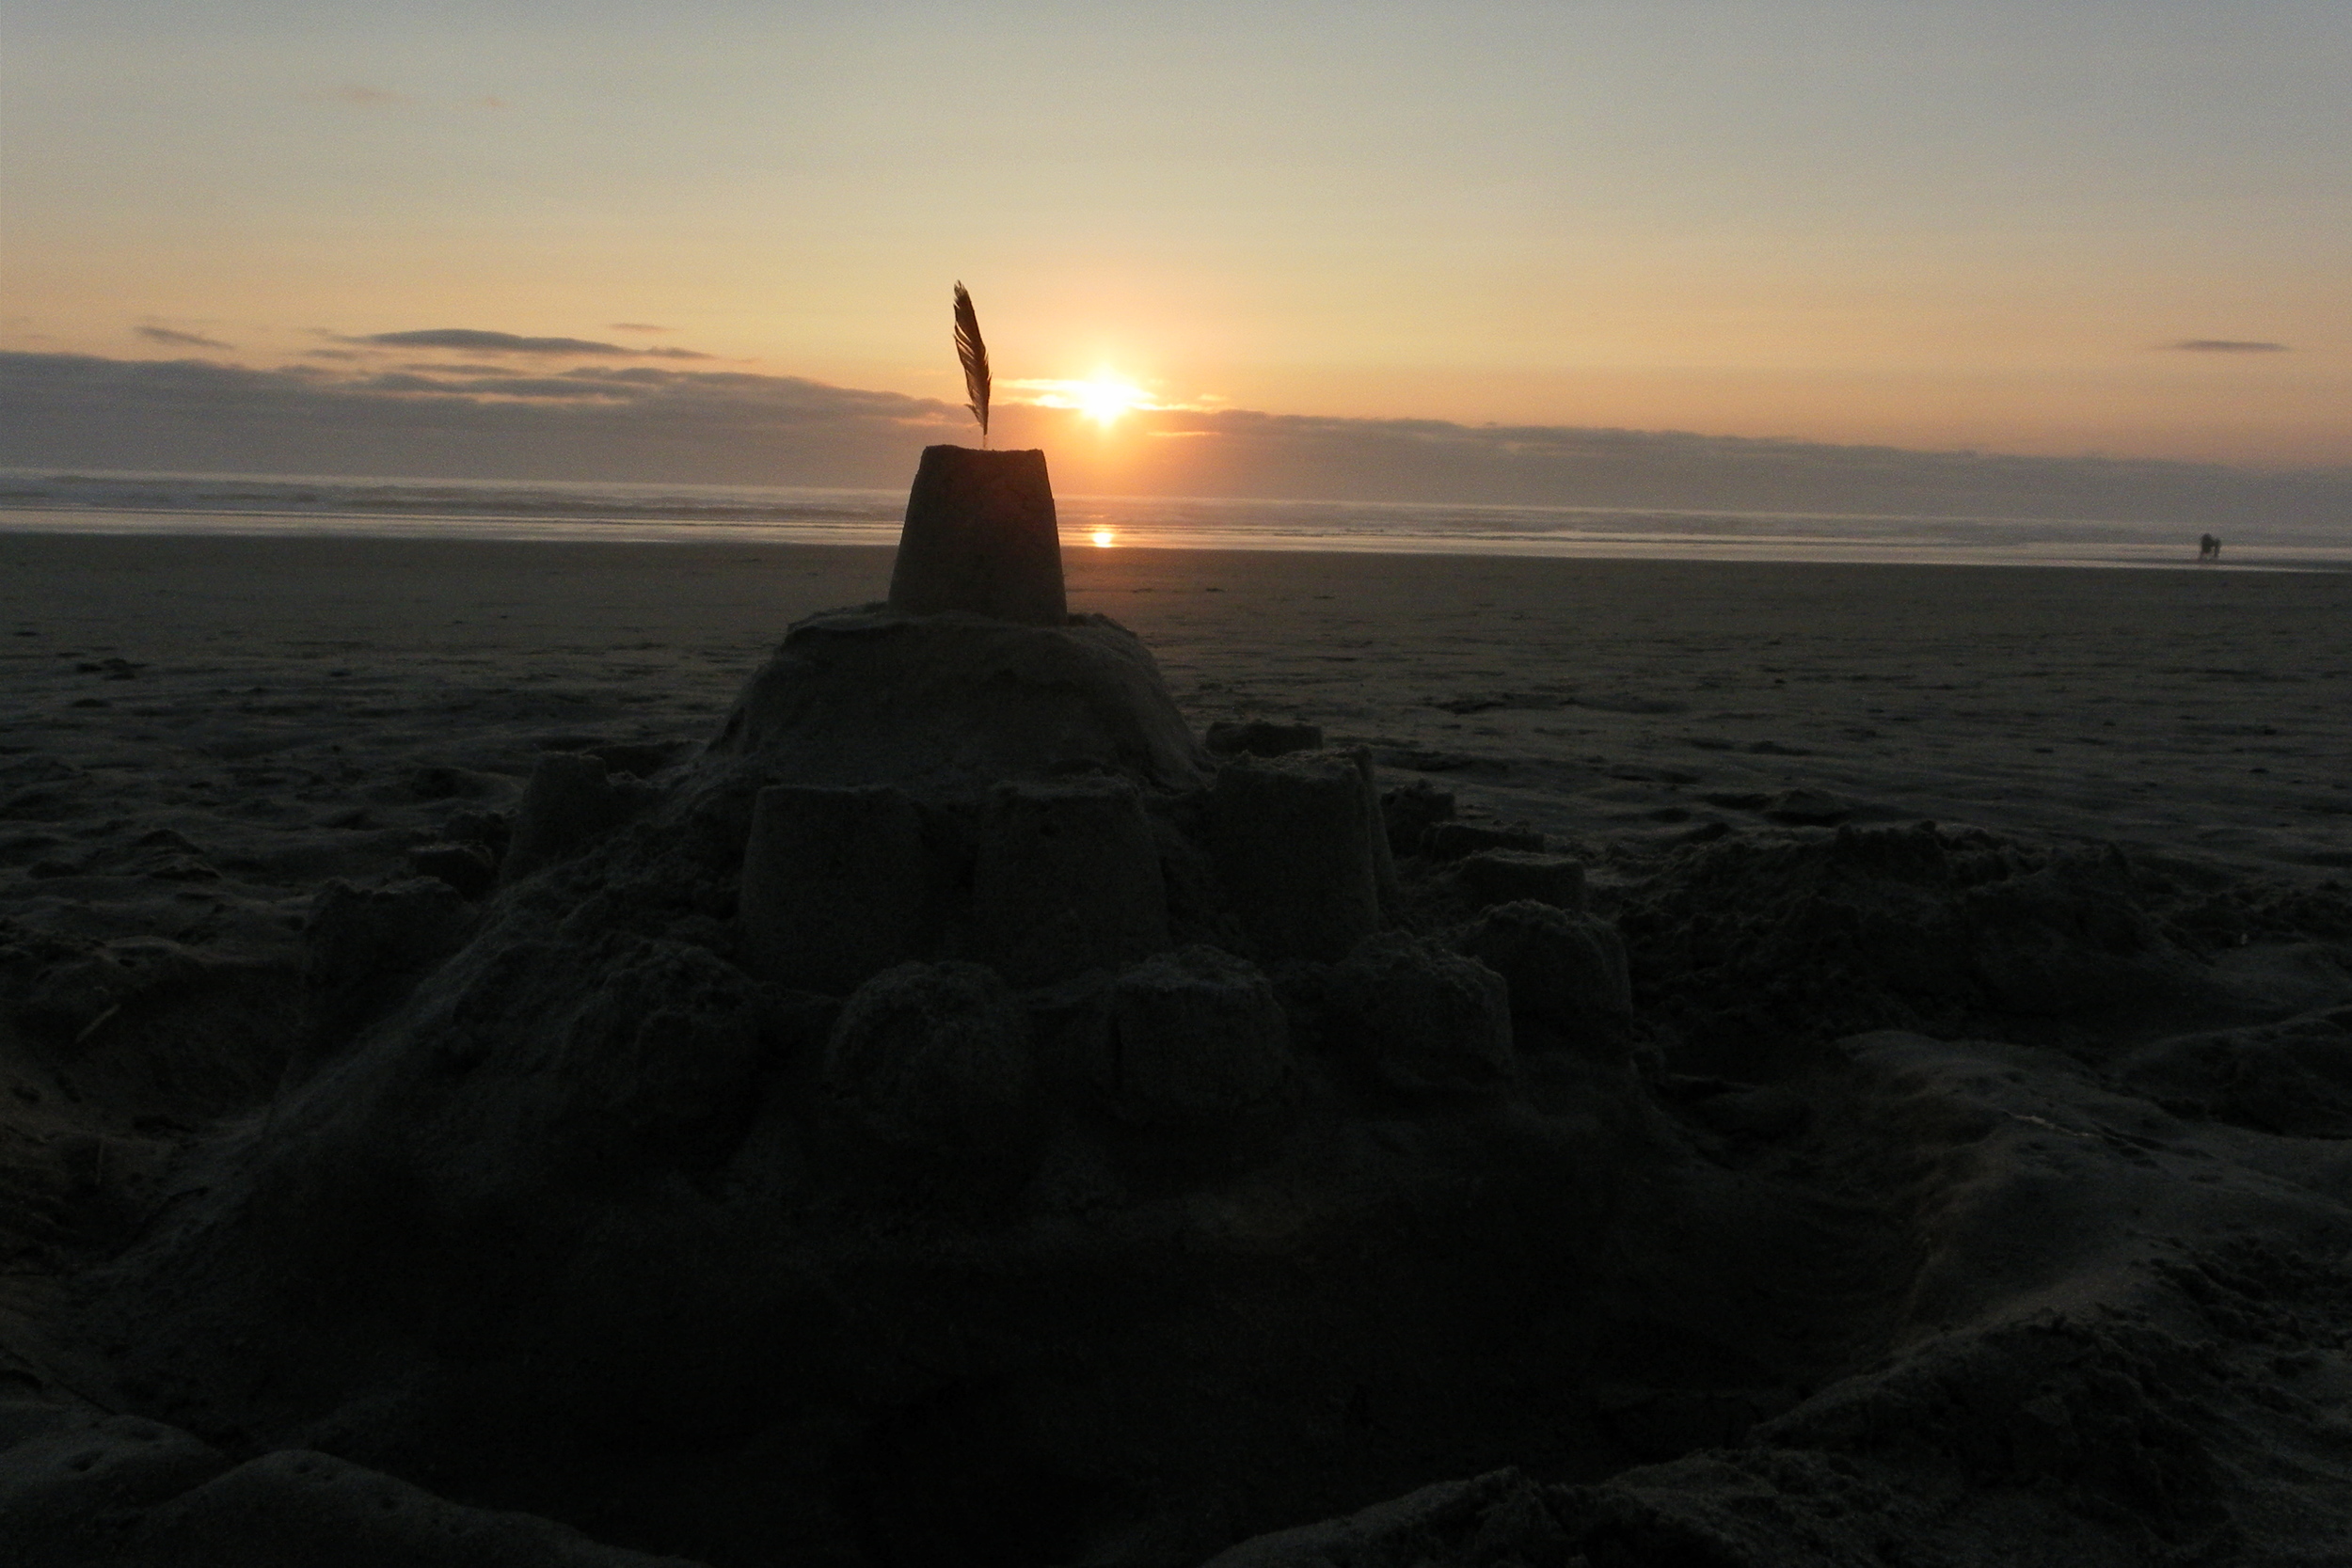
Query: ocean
93	501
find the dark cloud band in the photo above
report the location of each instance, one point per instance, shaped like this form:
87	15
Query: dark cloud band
474	341
652	422
178	340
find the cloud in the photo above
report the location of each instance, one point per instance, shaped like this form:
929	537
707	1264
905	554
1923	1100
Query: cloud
638	326
181	340
655	422
473	341
2228	345
607	421
354	92
440	368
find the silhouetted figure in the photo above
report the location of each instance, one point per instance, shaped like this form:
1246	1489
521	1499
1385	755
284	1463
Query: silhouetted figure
2208	547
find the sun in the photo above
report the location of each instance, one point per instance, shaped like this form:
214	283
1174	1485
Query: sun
1104	397
1101	397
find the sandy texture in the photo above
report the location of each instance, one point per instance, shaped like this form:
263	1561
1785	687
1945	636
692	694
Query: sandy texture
2188	710
1957	1193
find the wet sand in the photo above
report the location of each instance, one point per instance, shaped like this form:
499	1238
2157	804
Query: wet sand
267	685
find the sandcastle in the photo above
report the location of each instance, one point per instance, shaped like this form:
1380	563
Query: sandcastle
878	1103
971	774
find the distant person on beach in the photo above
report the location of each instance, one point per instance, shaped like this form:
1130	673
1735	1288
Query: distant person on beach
2208	547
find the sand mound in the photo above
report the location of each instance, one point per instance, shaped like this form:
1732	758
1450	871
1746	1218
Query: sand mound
953	1119
2116	1327
940	702
918	1250
1747	945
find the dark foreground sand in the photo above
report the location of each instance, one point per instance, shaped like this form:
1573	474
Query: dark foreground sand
2109	1277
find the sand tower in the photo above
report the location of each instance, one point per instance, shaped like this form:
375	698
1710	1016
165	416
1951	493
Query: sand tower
982	536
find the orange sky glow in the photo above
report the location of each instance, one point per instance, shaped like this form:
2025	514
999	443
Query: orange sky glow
2122	228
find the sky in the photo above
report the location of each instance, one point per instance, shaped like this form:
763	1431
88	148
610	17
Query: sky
2101	227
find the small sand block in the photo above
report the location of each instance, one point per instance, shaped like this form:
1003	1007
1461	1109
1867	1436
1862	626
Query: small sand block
936	1059
1195	1036
570	802
1410	810
1067	879
1567	970
660	1063
1299	844
1506	876
1426	1020
835	886
1258	738
1384	878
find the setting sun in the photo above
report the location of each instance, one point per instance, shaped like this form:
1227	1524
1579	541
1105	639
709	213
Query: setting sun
1105	398
1101	397
1102	538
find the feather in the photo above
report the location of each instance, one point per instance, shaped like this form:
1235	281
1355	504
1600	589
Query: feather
974	353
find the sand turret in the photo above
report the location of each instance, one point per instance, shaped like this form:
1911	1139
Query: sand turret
980	536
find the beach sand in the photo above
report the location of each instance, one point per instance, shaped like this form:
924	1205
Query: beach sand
197	734
2208	713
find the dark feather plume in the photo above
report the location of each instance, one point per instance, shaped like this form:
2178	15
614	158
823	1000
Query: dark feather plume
974	353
